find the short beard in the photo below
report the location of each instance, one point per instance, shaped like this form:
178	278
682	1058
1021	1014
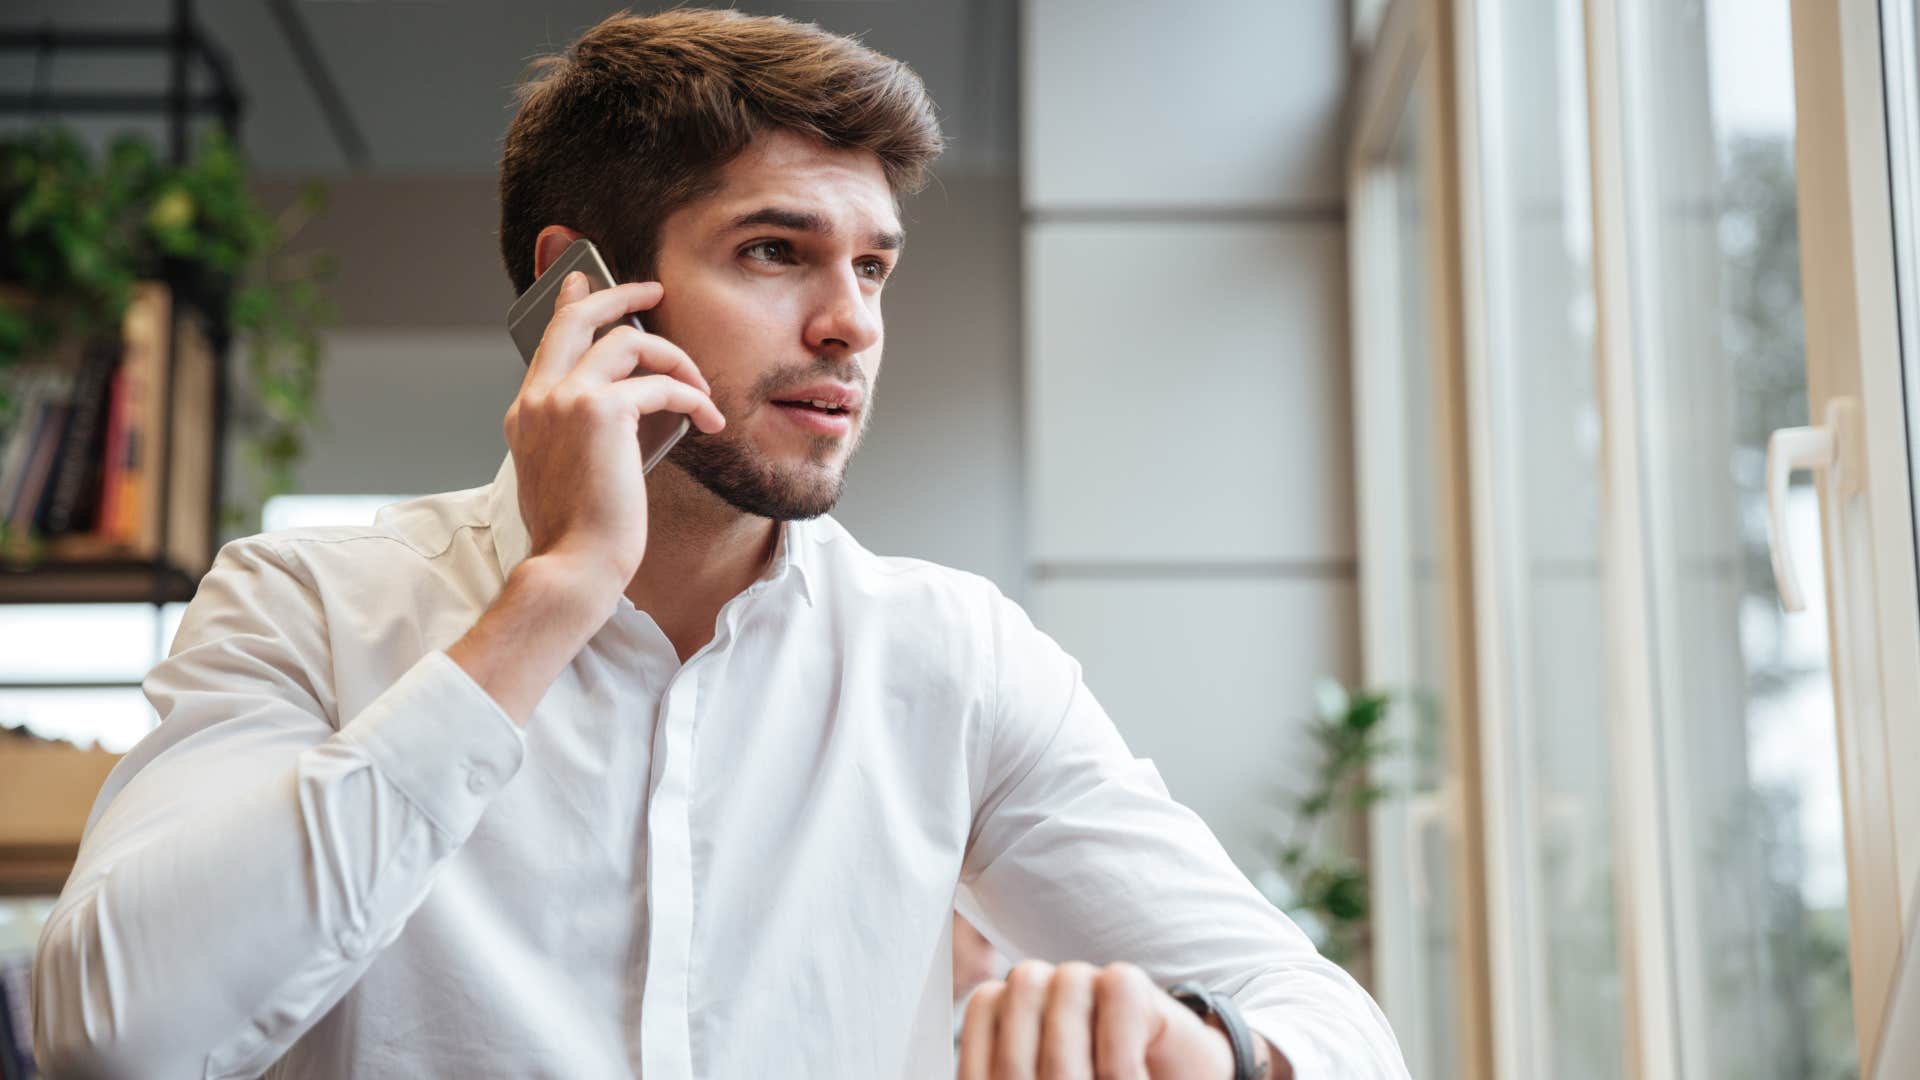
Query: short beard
742	477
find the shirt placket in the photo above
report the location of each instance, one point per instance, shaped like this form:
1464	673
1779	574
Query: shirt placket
666	1050
666	1021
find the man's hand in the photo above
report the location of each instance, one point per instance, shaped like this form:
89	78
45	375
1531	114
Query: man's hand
574	427
1076	1022
574	430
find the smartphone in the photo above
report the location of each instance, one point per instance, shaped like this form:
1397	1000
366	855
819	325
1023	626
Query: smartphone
527	322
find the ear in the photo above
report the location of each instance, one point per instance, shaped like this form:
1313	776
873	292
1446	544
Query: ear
549	245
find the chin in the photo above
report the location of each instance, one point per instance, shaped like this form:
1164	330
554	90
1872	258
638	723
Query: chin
785	486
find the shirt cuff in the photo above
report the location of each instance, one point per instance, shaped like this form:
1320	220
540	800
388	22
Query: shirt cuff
442	740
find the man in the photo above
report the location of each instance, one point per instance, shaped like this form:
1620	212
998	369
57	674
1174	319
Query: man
585	773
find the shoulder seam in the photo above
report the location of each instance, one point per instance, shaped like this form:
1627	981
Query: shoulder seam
451	536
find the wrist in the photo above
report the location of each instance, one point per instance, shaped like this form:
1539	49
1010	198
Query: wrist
1268	1063
574	585
546	612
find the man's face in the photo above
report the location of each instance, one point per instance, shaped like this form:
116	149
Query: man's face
772	285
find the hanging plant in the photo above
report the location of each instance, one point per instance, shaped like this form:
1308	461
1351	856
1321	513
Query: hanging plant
80	233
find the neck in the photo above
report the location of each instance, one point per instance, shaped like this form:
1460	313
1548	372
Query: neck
701	553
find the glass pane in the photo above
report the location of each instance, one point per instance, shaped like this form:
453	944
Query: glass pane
294	511
1900	40
77	642
113	717
1751	789
1436	1045
1545	423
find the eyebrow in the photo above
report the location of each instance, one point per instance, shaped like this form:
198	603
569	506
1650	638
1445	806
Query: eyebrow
807	221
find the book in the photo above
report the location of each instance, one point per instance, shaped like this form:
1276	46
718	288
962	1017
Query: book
145	333
16	444
106	520
48	429
191	447
74	500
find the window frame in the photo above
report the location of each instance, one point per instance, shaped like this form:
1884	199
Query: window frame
1407	68
1845	53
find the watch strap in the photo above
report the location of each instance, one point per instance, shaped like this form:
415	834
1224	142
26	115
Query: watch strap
1211	1006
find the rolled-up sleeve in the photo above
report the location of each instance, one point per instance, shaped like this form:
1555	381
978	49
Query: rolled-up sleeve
246	862
1079	853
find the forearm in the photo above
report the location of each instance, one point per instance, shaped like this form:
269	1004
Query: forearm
228	896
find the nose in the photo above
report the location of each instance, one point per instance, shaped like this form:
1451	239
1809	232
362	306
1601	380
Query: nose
846	319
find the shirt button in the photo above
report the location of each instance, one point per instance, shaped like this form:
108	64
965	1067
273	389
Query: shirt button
479	779
352	944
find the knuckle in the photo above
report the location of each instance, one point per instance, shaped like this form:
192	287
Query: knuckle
985	997
625	336
1029	976
581	405
1078	971
1073	983
1115	979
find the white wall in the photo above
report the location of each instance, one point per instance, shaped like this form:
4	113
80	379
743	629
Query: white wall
1188	468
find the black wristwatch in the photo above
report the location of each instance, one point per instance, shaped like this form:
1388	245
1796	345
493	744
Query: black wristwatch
1211	1006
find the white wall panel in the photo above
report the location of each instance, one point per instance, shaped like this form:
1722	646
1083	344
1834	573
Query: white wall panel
1223	102
1212	679
1187	392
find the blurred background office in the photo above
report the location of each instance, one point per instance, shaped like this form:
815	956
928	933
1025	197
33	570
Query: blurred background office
1374	395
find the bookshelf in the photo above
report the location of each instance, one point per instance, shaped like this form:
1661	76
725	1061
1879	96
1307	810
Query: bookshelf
122	441
46	792
170	521
152	540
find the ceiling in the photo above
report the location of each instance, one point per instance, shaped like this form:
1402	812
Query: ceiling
426	85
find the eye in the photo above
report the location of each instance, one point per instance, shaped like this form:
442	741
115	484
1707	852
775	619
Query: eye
875	269
778	251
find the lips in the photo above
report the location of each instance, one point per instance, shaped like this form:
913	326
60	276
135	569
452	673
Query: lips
833	394
815	421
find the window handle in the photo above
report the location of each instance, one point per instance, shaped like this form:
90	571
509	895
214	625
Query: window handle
1829	446
1424	810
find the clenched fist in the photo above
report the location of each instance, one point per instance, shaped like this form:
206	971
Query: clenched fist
1077	1022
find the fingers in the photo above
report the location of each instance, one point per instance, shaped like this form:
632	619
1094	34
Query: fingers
578	315
626	349
977	1031
1124	1007
1016	1041
1068	1023
1066	1028
663	393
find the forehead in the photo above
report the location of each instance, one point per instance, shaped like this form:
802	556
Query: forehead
791	171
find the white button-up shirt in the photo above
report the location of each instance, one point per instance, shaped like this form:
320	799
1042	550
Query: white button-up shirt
337	857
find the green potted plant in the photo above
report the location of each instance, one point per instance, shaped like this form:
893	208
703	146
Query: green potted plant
1313	872
80	232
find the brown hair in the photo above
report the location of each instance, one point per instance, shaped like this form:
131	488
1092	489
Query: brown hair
642	113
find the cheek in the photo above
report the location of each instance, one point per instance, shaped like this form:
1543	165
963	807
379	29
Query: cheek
721	334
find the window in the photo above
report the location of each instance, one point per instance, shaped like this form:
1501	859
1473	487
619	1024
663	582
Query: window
1743	700
1547	698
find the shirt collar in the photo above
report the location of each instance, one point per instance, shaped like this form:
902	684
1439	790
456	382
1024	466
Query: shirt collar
793	555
